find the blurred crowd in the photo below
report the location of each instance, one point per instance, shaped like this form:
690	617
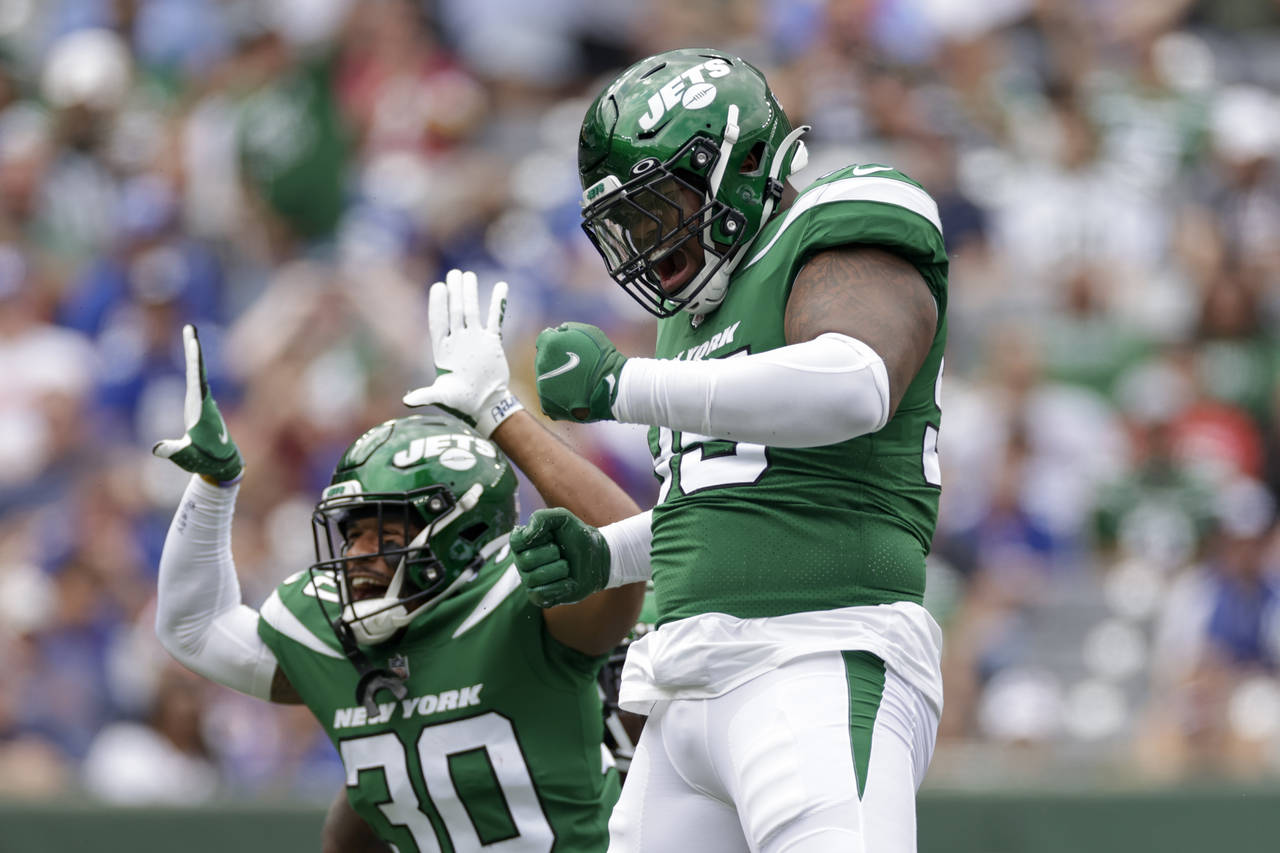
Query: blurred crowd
291	175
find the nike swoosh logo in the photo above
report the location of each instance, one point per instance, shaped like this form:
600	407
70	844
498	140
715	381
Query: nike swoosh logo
564	368
863	171
609	379
222	434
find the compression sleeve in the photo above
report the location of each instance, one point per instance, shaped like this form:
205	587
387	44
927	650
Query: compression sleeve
200	618
821	391
629	541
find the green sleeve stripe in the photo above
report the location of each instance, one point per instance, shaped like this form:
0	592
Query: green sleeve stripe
281	618
883	190
504	586
865	674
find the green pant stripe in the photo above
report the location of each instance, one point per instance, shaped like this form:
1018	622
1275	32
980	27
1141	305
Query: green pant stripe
865	674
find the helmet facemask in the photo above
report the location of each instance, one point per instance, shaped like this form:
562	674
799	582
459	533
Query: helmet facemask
372	606
666	213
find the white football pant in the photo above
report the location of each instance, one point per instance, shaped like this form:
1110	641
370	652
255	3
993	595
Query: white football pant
770	766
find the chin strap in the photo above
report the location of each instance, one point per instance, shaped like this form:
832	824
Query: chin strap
731	132
730	138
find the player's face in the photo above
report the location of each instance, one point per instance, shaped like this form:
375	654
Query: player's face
675	270
368	577
655	228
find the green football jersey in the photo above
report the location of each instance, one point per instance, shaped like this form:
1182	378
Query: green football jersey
497	743
751	530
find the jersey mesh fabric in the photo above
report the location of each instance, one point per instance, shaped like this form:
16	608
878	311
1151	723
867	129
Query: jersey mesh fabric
763	531
482	662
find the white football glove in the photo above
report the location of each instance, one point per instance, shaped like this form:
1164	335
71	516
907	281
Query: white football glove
471	367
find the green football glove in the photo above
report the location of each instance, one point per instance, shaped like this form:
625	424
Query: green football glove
205	448
578	368
560	559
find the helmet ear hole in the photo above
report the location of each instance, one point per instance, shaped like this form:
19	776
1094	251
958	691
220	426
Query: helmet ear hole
474	532
753	163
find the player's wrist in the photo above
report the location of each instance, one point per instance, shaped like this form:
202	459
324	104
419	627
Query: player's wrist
211	489
628	543
213	480
494	409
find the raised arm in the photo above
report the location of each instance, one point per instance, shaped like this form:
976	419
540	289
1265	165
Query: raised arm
200	617
598	623
472	377
560	475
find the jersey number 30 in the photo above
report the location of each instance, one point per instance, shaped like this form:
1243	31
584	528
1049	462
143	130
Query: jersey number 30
508	818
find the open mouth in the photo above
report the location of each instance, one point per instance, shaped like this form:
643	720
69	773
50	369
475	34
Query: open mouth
676	269
365	586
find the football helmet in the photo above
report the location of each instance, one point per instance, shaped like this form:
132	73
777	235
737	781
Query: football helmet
437	492
682	160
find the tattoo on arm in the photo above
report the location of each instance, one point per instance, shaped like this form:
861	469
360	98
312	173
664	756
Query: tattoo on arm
872	295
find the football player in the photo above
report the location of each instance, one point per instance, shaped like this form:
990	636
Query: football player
793	686
346	832
464	715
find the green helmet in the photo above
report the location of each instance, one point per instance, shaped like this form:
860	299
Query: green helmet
451	495
686	124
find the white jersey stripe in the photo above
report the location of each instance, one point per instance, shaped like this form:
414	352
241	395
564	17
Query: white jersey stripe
884	190
507	584
498	546
282	619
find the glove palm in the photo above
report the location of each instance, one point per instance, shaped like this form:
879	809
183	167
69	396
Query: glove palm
471	368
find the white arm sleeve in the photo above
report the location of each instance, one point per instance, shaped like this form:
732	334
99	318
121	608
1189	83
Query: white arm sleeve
818	392
629	541
200	618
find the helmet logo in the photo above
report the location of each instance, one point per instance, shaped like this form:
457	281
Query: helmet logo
346	487
443	446
674	93
644	166
698	96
